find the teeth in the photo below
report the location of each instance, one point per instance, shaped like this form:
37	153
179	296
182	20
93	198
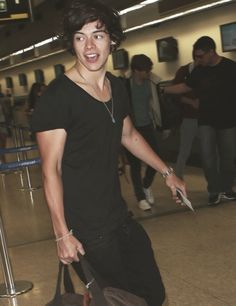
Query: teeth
91	55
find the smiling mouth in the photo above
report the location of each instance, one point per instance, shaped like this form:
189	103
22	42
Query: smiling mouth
91	57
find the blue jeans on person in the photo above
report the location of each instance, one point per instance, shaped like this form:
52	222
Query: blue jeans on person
188	131
123	258
218	157
149	134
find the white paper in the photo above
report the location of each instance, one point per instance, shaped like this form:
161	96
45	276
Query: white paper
185	201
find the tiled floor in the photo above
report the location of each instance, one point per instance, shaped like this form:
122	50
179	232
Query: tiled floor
196	252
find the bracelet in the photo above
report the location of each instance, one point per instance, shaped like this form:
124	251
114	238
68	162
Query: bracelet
168	172
70	233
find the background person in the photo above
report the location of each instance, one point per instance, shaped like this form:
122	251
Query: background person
214	83
146	116
189	126
35	93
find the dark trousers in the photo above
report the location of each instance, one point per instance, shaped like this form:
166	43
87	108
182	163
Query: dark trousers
148	134
218	149
125	259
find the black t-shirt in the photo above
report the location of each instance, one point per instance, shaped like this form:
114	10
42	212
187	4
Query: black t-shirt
92	198
216	88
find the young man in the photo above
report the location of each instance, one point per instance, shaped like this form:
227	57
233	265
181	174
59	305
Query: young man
214	83
81	120
146	116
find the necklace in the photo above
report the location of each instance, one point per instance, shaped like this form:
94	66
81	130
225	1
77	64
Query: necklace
111	113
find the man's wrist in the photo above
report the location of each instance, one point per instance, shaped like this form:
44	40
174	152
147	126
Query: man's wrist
169	171
70	233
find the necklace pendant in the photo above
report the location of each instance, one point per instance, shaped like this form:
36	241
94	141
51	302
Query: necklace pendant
113	119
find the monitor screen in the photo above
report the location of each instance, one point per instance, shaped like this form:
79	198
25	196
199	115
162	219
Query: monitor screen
228	36
120	59
15	10
167	49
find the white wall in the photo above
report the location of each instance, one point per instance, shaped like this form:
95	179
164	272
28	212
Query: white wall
186	30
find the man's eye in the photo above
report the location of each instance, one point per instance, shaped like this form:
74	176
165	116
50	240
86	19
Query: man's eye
79	38
98	36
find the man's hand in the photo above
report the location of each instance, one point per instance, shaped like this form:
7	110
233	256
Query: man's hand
68	249
173	182
195	103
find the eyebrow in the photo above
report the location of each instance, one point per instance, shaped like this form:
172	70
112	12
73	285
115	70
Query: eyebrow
94	32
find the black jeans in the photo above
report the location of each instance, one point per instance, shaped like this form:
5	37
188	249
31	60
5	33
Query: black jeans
148	134
218	149
125	259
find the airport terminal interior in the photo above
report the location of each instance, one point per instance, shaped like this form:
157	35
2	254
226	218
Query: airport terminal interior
195	250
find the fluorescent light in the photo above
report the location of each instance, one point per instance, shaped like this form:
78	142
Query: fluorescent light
17	52
200	8
130	9
44	42
149	2
4	58
29	48
137	7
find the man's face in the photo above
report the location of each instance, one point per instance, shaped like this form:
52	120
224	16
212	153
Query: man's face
143	74
92	46
203	58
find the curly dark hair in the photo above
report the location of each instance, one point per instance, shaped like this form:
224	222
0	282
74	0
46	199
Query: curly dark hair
81	12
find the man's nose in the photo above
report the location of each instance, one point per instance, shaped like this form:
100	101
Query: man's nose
89	43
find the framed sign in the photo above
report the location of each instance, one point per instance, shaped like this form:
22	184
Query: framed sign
167	49
15	10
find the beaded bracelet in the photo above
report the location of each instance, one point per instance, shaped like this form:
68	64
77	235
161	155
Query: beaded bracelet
64	236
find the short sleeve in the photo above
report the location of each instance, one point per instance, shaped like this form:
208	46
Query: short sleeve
127	102
181	75
120	93
125	90
52	110
193	78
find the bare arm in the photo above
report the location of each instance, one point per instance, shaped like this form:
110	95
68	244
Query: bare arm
177	89
137	145
193	102
51	147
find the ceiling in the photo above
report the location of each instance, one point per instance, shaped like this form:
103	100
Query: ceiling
43	25
117	4
47	16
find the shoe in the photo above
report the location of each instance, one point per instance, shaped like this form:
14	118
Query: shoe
144	205
214	199
149	195
230	195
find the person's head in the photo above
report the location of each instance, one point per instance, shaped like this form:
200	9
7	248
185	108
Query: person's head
36	91
82	12
141	65
204	51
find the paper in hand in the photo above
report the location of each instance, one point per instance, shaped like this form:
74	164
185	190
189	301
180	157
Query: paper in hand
184	200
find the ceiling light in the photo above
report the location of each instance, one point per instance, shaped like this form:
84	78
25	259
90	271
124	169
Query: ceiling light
149	2
137	7
199	8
